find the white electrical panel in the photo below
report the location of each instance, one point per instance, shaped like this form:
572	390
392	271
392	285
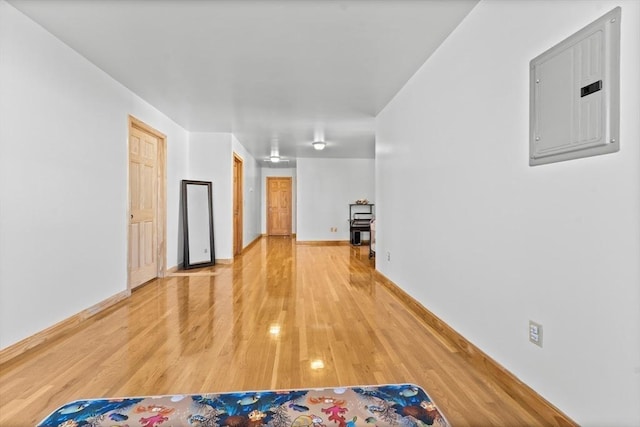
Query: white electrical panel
575	93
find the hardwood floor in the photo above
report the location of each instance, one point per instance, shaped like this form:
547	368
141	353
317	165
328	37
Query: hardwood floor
267	321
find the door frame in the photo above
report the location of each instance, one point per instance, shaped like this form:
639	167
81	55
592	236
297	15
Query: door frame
268	197
161	200
238	193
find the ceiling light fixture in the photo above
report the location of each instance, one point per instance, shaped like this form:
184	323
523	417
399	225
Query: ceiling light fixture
275	159
319	145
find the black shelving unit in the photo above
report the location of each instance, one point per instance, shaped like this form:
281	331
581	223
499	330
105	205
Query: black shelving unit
360	216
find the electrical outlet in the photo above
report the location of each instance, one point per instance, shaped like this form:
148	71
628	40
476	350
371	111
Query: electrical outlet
388	256
535	333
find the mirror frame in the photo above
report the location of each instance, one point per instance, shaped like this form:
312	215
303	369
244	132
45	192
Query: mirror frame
185	221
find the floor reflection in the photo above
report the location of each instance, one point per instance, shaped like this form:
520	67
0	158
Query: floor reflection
361	269
280	257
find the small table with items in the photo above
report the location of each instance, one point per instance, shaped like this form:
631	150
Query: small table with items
360	216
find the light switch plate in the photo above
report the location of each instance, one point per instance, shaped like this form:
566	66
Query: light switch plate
535	333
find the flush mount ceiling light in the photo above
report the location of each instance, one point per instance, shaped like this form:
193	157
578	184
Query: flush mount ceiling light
319	145
275	159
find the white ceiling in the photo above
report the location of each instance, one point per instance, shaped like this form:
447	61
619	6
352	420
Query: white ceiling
276	73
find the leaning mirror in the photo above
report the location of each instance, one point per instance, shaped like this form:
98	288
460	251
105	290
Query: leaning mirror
197	214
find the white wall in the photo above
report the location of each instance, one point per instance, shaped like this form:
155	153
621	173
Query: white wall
211	159
63	179
278	172
487	242
325	189
252	190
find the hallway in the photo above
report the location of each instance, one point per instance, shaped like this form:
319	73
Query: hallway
282	316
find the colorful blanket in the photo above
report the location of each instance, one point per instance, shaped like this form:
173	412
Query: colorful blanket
400	405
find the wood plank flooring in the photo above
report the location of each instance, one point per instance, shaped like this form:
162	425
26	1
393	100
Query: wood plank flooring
281	316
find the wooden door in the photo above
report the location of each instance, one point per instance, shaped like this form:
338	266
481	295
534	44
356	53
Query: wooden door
143	206
237	204
279	206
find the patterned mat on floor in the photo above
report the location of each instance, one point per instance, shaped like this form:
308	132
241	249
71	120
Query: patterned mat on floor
400	405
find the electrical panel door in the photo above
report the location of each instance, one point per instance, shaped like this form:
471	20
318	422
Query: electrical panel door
574	95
